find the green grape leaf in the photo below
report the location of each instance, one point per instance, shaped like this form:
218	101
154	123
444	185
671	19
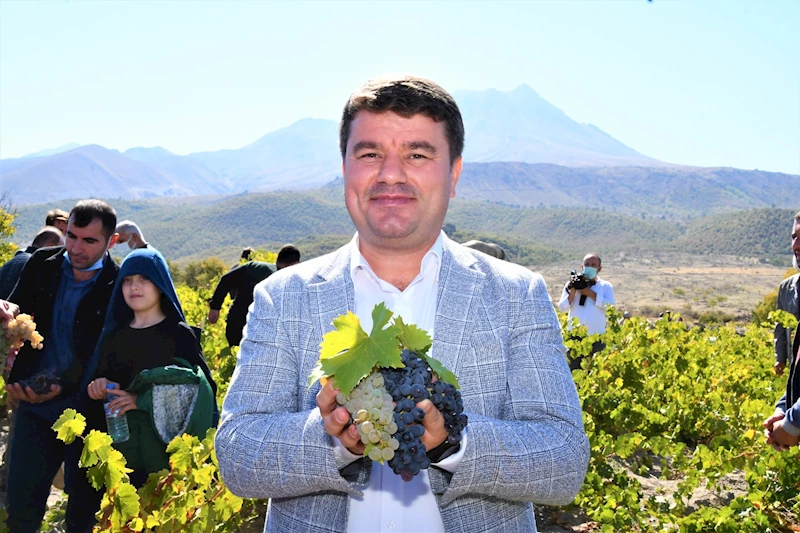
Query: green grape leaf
440	370
137	524
116	471
153	520
180	450
413	338
349	364
126	504
69	425
96	476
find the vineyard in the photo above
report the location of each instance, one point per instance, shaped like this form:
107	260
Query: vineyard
664	401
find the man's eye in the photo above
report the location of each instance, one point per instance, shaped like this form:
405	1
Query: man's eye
418	156
369	155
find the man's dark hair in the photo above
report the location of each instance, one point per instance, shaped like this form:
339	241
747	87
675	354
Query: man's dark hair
247	252
406	96
87	210
48	236
55	214
287	255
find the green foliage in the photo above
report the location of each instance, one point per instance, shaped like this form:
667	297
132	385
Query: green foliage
759	233
189	497
684	404
7	229
203	275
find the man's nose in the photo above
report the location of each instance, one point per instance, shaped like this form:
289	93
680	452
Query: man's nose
392	170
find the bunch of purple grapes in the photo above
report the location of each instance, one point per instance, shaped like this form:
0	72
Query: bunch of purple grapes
409	386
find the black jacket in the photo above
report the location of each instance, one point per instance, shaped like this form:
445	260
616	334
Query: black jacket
36	294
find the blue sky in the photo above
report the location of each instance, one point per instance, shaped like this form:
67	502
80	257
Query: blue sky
711	83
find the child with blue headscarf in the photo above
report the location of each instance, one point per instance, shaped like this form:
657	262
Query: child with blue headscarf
164	385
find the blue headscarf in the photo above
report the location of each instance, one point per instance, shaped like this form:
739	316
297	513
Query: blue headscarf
147	262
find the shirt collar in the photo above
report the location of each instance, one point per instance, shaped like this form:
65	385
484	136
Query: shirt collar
97	266
434	254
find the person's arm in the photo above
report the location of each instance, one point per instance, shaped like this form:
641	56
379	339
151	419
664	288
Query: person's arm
567	297
226	284
603	295
269	445
539	451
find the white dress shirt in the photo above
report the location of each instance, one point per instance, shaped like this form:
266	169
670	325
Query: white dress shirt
390	504
592	313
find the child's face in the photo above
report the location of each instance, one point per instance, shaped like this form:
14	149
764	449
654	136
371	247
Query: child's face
140	294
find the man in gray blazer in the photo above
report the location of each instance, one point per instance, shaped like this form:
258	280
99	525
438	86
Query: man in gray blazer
491	321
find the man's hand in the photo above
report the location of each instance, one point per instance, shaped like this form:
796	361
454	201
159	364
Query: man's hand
337	420
778	368
435	433
213	316
125	401
16	394
8	310
776	435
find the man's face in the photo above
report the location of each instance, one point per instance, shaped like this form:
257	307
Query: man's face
61	225
796	240
85	246
592	261
398	179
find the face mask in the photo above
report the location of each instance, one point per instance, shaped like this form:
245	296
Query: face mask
590	272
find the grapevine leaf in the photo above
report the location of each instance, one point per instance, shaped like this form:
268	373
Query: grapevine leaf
153	520
347	333
440	370
350	364
126	504
96	476
413	338
204	475
69	425
180	450
116	471
137	524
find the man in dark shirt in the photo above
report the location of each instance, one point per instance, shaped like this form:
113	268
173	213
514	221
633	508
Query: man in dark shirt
12	269
67	290
239	283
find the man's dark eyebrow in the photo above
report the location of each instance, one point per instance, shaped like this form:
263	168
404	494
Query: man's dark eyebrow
425	146
365	145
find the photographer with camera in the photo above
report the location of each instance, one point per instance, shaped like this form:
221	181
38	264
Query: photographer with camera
585	296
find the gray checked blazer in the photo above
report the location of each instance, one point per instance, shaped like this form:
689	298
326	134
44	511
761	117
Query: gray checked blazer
495	327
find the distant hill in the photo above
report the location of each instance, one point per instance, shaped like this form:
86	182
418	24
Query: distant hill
522	126
674	191
195	227
90	171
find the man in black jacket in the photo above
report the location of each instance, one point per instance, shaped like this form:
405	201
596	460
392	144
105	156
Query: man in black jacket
67	290
239	283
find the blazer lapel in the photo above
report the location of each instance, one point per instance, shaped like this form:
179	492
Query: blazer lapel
331	292
460	287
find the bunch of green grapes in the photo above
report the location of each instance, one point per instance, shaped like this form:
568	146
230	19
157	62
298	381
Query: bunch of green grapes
15	333
372	410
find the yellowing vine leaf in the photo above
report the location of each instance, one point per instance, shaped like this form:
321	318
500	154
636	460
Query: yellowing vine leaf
348	354
69	425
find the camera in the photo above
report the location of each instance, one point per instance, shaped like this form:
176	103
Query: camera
579	281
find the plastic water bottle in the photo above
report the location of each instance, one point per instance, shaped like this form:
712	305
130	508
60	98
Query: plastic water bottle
117	423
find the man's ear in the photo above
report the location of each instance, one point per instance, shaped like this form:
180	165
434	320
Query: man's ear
113	240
